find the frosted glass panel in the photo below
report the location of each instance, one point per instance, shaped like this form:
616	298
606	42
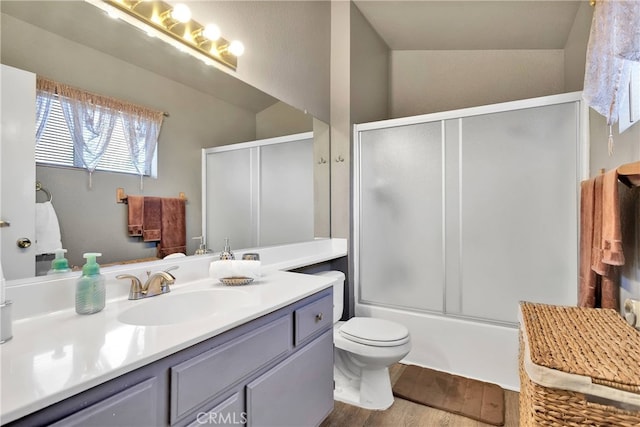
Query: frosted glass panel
228	198
401	260
286	204
518	210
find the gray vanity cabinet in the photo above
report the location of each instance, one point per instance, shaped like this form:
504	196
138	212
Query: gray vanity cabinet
276	370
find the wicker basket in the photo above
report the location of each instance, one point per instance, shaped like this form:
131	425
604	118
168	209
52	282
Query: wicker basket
591	343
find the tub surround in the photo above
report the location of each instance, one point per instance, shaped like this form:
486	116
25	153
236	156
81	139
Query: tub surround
56	353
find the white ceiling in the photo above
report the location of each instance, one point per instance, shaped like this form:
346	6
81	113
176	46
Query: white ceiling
471	25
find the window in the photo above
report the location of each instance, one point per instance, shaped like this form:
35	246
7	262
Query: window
629	113
79	129
55	146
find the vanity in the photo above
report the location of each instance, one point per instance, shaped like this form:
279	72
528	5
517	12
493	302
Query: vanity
262	355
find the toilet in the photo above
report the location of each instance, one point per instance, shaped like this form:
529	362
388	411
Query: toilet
364	348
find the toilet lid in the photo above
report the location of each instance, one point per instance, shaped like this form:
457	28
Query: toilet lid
374	332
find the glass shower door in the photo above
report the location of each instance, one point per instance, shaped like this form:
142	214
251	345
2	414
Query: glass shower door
518	230
401	220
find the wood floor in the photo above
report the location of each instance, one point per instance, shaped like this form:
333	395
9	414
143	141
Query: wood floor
405	413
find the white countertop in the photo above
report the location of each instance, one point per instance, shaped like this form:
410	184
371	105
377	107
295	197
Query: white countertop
58	354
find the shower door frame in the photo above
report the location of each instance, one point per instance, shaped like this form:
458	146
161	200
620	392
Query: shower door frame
582	166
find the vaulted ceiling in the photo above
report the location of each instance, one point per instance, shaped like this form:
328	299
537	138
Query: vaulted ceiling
471	25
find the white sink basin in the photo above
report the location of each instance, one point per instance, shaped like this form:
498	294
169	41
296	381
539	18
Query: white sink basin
169	309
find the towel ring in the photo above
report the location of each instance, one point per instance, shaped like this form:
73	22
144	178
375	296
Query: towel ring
39	187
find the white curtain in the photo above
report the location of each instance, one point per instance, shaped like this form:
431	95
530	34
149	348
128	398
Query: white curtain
141	133
90	127
43	106
614	41
91	119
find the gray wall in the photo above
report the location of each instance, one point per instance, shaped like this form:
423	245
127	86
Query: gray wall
430	81
575	50
340	117
287	47
282	119
369	71
90	219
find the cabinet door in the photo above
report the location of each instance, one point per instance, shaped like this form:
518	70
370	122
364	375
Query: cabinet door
204	377
228	413
298	392
135	406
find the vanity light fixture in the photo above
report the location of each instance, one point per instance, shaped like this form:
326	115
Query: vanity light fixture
176	23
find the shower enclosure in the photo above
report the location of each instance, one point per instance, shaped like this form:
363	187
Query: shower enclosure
458	216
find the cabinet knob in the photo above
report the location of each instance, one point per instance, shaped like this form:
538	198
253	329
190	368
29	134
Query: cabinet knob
23	243
319	317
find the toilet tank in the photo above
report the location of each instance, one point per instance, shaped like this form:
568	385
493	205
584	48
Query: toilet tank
337	278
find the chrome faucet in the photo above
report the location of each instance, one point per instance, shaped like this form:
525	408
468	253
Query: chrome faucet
156	284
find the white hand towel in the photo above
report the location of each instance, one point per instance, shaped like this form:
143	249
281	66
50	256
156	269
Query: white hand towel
234	268
47	229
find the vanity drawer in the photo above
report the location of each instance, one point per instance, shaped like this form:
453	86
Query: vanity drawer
313	317
200	379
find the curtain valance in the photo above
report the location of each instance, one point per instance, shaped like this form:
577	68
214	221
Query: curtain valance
46	85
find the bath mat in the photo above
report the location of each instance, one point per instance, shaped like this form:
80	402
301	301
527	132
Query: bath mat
474	399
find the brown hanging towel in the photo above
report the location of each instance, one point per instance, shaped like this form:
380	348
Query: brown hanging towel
174	230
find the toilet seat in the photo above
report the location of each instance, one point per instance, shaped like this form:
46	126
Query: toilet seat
374	332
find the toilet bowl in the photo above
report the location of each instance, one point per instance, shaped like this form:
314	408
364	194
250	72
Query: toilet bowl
364	348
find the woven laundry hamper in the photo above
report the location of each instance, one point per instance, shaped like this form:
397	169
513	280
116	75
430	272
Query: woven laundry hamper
578	367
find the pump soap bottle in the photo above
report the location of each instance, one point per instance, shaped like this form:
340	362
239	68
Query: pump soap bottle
90	288
60	263
226	252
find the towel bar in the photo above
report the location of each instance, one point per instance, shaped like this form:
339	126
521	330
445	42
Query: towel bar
121	196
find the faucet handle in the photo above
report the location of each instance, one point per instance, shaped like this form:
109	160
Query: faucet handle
135	292
174	267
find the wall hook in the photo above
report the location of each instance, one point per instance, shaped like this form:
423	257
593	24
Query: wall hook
339	159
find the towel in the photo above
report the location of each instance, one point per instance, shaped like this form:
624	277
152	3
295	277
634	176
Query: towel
174	231
152	219
135	211
48	237
600	242
588	282
596	252
234	268
611	235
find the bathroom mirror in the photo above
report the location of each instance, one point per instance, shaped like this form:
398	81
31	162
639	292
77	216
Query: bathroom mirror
78	44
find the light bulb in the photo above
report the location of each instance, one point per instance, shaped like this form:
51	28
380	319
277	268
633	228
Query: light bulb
211	32
181	13
236	48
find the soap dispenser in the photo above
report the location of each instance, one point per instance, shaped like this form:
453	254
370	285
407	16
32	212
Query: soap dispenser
90	288
60	263
226	252
202	249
